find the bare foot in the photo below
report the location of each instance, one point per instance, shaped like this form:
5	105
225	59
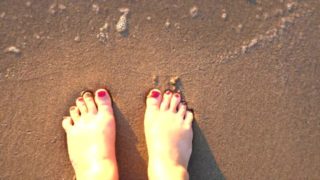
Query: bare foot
91	137
168	129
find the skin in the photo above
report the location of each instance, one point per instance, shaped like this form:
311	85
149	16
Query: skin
91	127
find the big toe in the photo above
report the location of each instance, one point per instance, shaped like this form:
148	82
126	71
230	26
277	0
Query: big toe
154	99
103	101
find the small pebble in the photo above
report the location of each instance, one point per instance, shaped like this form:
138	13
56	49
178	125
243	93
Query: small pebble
62	7
253	42
104	27
239	28
124	10
95	8
122	24
194	11
148	18
102	37
244	49
167	23
291	6
52	8
173	80
37	36
177	25
77	38
155	80
12	49
28	3
224	14
2	15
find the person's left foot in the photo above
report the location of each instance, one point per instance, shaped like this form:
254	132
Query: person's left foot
90	132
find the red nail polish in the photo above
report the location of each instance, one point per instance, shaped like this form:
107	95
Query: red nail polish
102	93
168	92
80	99
177	95
155	94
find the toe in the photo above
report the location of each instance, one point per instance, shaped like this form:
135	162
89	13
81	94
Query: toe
89	101
74	113
175	101
103	100
81	105
166	100
182	109
67	123
154	99
189	118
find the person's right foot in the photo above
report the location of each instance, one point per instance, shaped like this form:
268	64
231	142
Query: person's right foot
168	129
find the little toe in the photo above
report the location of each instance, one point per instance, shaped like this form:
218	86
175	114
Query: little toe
154	99
67	123
81	105
89	101
165	104
175	101
103	101
74	113
188	118
182	109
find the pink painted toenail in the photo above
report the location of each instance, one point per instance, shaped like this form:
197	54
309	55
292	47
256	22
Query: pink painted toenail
177	95
80	99
168	92
155	94
102	94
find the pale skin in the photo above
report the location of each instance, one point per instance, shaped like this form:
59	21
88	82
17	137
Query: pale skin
90	130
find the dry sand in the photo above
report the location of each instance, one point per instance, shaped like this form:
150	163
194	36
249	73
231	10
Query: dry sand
249	69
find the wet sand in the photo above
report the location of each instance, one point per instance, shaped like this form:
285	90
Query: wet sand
249	69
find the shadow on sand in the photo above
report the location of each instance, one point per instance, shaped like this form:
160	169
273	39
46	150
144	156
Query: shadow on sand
202	165
131	164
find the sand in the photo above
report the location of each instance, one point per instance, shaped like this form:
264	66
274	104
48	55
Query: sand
249	69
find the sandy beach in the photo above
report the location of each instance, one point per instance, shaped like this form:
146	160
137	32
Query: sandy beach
249	69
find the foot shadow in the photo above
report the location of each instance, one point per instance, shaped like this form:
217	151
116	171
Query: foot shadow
202	164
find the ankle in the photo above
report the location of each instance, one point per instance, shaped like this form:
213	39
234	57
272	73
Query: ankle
167	169
104	169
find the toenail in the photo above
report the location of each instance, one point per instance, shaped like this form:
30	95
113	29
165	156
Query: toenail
102	93
177	95
168	92
87	94
86	91
80	99
155	94
72	108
